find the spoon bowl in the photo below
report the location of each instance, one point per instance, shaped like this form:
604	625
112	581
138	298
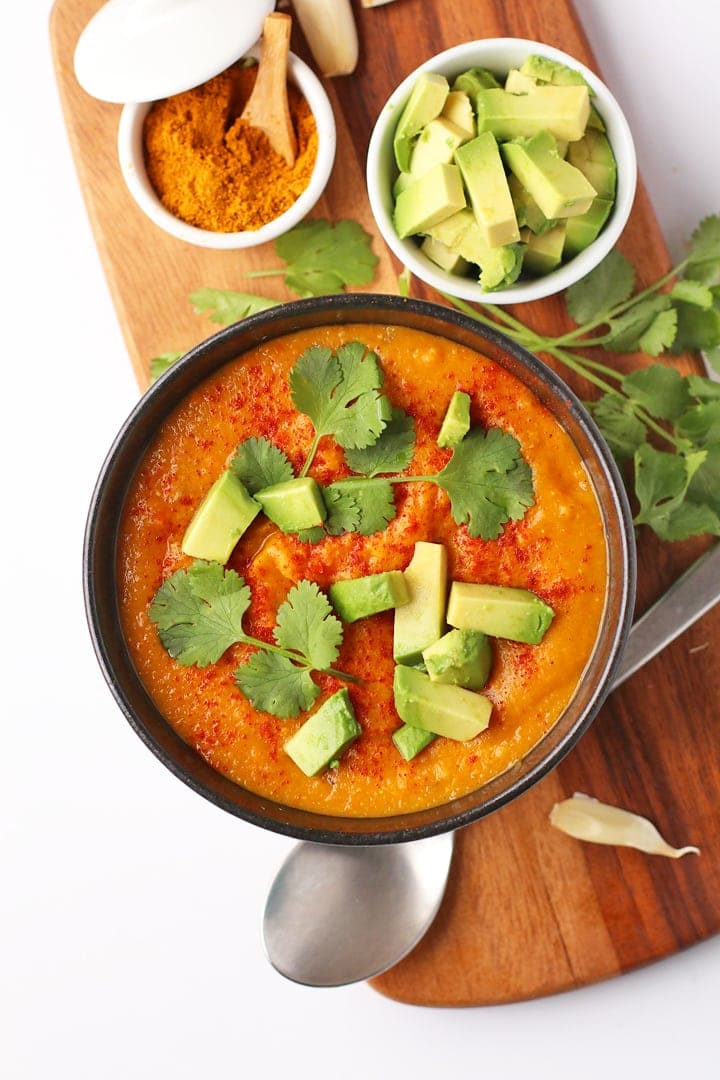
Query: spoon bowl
337	915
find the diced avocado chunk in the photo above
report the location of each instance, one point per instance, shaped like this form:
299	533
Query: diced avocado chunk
545	70
499	266
293	504
443	256
436	145
559	189
220	520
482	170
411	740
582	230
527	210
475	79
403	180
356	598
461	657
499	611
517	82
595	120
426	101
436	195
441	708
421	621
458	109
325	736
561	110
594	157
456	422
544	253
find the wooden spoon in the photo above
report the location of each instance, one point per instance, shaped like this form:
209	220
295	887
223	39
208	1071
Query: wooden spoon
267	107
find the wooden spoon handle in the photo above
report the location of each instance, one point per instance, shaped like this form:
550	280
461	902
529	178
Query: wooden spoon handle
267	107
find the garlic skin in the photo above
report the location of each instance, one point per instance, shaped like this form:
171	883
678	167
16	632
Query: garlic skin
586	818
330	31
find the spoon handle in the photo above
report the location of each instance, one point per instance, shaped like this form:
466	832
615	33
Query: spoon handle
691	596
267	107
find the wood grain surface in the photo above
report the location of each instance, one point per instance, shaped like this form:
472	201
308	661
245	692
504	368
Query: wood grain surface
528	911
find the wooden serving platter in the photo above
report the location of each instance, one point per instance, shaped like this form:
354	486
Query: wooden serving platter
528	911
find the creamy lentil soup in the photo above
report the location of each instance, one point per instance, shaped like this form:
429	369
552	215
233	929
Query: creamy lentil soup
557	550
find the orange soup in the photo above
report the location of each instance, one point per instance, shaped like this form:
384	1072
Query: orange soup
557	550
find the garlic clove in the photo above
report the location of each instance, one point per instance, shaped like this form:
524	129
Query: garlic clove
330	31
586	818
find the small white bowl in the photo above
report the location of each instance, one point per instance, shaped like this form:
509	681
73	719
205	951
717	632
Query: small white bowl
132	166
498	55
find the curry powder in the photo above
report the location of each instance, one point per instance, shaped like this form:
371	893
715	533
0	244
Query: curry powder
211	169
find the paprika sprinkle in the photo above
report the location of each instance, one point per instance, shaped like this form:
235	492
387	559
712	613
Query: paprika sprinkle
213	170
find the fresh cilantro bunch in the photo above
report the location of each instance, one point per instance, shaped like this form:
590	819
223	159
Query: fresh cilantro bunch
666	424
199	612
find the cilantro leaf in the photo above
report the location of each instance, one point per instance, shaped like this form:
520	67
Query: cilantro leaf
198	612
702	388
306	624
609	283
322	258
698	328
488	482
160	364
373	499
622	430
704	486
311	536
636	324
660	390
660	334
228	306
340	393
273	684
704	258
712	355
701	424
692	292
343	512
391	452
661	484
258	464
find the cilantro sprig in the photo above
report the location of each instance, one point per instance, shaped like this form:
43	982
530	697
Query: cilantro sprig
322	258
199	610
667	424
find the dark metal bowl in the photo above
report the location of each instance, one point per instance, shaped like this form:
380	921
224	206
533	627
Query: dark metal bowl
100	567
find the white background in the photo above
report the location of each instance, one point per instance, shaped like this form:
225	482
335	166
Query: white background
130	907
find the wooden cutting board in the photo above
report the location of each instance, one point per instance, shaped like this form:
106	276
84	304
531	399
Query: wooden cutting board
528	911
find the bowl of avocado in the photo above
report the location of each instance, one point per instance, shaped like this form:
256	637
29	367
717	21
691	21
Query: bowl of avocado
501	170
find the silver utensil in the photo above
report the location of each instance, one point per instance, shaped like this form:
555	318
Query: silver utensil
337	915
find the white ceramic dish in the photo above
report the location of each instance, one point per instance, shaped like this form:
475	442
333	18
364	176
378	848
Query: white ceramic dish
498	55
132	166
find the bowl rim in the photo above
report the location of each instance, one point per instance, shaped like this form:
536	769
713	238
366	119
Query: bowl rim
132	168
100	593
451	61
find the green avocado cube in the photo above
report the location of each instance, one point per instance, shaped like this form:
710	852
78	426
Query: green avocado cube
517	82
426	101
440	708
527	210
544	253
357	598
421	621
456	422
499	611
411	740
484	176
594	157
475	79
443	256
293	504
434	196
545	70
220	520
436	145
325	736
461	657
580	231
458	109
562	111
559	189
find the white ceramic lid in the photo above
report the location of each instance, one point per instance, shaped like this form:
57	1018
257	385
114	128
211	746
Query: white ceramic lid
142	50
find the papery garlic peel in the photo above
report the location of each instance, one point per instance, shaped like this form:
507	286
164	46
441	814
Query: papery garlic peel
586	818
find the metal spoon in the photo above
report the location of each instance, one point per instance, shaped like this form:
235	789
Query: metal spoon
337	915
